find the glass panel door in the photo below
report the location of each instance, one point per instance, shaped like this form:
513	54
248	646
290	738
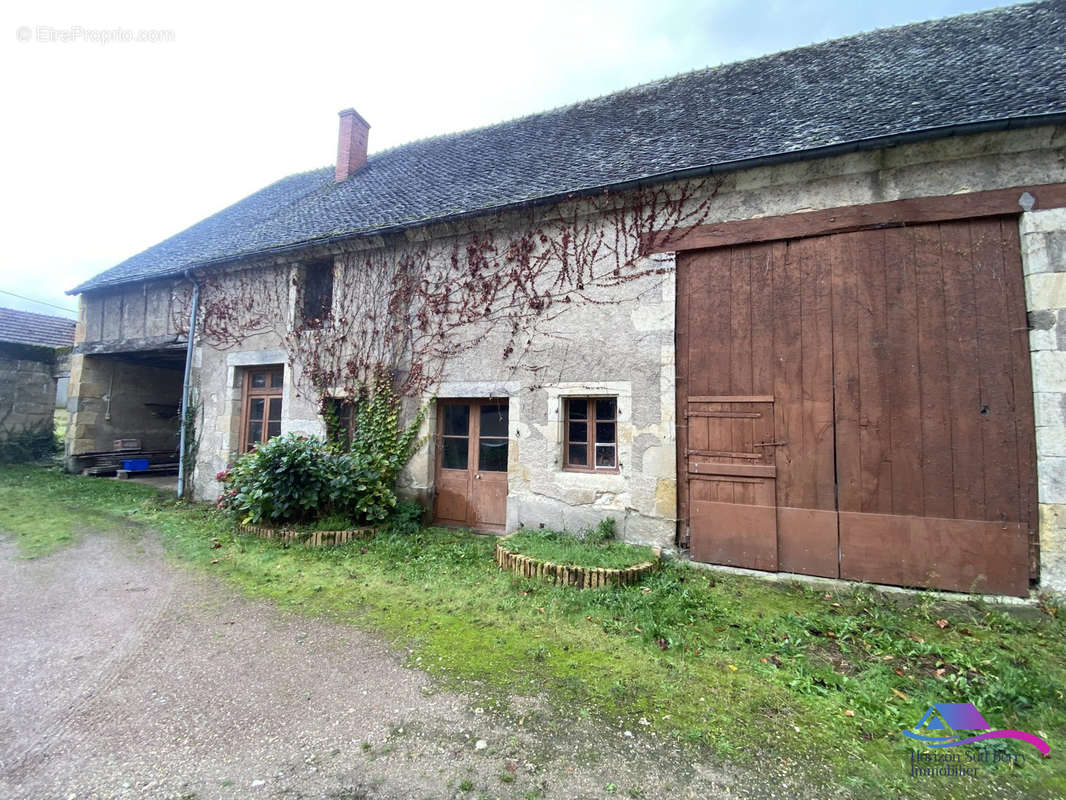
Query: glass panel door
492	438
455	441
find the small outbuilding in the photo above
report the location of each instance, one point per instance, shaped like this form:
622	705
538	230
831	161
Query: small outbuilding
34	358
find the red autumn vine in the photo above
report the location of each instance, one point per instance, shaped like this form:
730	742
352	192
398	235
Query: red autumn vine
406	309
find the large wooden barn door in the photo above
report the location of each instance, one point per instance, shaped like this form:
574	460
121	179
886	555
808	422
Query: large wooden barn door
896	366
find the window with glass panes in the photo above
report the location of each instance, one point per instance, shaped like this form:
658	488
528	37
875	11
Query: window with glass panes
483	421
261	409
591	433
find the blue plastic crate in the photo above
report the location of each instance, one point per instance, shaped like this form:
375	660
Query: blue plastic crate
135	464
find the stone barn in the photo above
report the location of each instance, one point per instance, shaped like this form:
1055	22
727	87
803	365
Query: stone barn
794	314
34	352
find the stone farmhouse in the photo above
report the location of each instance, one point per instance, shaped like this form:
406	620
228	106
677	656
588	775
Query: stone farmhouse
802	313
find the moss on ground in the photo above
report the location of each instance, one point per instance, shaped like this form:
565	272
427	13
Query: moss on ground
766	677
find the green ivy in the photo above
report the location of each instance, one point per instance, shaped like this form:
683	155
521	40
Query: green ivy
379	435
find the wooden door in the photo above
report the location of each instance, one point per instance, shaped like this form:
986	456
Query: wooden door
472	454
731	475
898	367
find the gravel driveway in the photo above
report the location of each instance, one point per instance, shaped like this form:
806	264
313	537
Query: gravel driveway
123	675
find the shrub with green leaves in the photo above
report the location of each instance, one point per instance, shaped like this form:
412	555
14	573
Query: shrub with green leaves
32	443
298	479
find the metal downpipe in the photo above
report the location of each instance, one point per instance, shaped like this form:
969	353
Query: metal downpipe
186	383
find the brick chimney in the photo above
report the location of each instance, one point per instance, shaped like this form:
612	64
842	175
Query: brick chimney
351	146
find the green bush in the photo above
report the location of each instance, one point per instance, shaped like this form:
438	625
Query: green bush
406	517
30	444
297	479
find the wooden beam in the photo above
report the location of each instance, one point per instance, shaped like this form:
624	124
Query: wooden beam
896	213
740	470
729	398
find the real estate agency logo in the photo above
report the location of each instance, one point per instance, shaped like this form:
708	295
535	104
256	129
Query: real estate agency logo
952	722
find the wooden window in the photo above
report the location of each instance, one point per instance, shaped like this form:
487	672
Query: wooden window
316	299
455	438
261	405
590	440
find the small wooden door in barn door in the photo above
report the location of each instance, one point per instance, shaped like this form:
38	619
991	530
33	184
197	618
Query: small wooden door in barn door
731	472
471	474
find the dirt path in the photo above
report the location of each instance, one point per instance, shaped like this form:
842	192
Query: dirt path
122	675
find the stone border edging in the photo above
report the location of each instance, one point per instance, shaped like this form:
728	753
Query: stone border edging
307	538
581	577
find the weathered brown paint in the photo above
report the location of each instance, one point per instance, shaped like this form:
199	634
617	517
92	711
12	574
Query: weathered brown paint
897	363
955	554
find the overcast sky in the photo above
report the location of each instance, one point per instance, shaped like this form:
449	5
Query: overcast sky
110	147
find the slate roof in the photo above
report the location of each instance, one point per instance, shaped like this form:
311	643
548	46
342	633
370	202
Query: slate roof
38	329
991	69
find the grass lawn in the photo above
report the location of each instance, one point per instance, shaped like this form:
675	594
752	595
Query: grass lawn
770	678
560	548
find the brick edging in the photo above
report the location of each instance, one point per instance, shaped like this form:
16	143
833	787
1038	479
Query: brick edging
581	577
307	538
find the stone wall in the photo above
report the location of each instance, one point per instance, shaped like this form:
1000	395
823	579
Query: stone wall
219	374
1043	235
623	350
27	388
135	314
627	350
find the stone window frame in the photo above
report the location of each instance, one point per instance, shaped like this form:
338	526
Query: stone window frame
268	392
602	479
591	442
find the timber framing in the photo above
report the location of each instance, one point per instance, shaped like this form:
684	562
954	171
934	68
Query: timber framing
845	219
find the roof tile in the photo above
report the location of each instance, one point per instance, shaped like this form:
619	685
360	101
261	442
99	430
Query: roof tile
25	327
1005	64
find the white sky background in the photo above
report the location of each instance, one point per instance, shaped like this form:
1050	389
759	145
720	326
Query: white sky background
106	149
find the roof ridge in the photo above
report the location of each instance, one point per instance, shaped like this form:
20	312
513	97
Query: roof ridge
637	88
996	69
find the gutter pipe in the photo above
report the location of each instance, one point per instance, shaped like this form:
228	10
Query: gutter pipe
186	383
